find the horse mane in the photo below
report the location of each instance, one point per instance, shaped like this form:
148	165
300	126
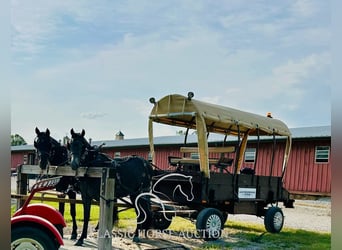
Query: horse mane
57	153
88	146
55	142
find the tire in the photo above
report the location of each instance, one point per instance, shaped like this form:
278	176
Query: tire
209	224
31	238
160	222
274	220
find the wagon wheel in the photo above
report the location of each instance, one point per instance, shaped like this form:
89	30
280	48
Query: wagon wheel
274	220
209	224
160	222
31	238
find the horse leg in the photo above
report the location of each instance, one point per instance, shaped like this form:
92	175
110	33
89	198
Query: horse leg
97	227
144	216
86	217
115	212
115	217
61	205
72	195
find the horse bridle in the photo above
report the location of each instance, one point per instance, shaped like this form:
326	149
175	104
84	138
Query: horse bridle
84	147
40	151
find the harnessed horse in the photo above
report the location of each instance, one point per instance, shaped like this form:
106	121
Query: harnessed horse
52	152
133	175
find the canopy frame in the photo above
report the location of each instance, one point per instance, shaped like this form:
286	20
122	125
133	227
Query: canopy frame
205	118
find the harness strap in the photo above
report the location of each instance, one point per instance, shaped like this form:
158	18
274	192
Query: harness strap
130	191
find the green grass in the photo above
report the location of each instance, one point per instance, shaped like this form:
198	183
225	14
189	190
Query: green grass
94	213
237	235
247	235
250	235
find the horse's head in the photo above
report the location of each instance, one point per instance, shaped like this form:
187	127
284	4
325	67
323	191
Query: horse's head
49	150
178	185
186	188
43	145
77	146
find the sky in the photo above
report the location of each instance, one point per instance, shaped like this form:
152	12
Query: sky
94	65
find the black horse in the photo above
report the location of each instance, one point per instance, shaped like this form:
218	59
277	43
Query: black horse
133	177
52	152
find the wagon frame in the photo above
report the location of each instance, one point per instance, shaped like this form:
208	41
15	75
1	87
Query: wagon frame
37	226
220	186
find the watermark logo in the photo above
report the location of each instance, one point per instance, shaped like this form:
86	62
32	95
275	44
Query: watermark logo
185	188
166	233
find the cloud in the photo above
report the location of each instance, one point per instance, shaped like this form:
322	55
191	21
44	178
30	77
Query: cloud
93	115
102	63
304	8
294	72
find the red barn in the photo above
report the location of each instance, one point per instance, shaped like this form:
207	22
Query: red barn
308	171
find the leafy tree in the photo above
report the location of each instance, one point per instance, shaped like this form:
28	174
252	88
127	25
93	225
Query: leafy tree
180	132
183	132
17	140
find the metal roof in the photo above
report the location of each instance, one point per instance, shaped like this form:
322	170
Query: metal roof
297	133
311	132
26	147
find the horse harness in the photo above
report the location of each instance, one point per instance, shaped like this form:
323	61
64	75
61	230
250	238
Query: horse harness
117	163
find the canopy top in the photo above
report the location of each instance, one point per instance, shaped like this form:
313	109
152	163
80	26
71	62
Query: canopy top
178	110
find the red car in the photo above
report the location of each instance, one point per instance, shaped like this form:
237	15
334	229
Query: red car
37	226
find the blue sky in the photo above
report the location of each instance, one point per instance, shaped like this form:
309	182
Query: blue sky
94	65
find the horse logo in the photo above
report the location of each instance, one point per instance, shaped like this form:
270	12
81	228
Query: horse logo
185	188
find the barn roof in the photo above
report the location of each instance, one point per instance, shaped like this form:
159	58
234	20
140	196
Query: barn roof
23	148
311	132
297	133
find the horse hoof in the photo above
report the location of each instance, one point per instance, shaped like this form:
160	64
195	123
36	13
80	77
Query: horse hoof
73	237
79	243
136	239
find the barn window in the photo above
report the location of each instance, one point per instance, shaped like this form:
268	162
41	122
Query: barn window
149	156
117	155
250	154
25	159
31	158
322	154
194	156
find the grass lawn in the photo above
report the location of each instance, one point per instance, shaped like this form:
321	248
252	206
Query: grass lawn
237	235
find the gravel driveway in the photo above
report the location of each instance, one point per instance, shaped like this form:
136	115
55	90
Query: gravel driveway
313	215
307	215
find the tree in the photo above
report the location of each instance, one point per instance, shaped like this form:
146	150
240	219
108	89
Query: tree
180	132
17	140
183	132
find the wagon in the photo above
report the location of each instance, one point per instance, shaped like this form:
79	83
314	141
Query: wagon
206	182
37	226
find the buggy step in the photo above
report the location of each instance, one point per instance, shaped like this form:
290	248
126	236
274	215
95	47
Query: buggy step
50	192
181	213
